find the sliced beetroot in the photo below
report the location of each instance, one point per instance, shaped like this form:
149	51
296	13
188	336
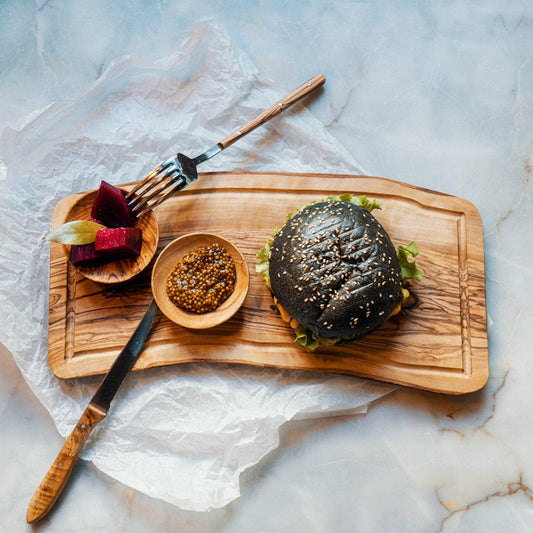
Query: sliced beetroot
110	207
119	241
85	254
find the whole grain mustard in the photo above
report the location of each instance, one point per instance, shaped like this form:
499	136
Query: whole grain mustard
202	280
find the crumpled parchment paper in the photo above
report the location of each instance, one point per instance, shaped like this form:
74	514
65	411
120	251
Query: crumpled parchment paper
180	434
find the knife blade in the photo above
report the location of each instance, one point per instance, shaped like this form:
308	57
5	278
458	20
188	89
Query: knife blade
55	480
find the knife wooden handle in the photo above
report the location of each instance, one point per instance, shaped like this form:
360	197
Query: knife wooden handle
55	480
273	110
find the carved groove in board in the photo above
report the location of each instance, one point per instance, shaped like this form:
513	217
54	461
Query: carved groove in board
70	323
464	295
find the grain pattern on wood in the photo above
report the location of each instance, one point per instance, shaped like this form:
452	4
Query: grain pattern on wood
57	476
440	344
273	110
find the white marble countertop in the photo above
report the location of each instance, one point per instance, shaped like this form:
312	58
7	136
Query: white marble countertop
438	95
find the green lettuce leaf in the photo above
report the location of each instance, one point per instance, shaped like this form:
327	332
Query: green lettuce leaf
305	338
75	232
409	268
262	255
361	201
308	340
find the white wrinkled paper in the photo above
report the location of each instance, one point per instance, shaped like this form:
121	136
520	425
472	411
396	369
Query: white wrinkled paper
182	434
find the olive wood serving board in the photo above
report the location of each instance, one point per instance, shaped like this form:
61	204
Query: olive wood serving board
440	344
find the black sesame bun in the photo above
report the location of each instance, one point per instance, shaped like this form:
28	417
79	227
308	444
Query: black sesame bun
334	269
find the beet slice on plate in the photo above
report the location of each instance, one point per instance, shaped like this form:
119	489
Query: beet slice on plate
110	207
84	254
119	241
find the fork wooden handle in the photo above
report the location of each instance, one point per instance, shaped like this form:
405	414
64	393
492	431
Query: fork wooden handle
274	110
55	480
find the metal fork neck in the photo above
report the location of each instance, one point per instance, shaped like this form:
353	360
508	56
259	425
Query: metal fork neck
208	154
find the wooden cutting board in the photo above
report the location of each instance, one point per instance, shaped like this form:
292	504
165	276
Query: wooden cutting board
438	345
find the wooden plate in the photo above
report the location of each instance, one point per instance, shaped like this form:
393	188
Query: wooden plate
438	345
118	270
165	264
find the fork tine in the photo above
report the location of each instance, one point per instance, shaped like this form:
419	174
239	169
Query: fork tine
150	176
143	182
153	184
159	194
156	181
171	187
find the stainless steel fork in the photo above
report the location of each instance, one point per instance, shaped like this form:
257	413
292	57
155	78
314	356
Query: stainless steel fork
178	171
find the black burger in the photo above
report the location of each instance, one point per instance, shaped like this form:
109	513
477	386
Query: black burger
334	272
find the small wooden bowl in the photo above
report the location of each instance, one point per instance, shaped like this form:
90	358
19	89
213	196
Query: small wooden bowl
117	270
165	264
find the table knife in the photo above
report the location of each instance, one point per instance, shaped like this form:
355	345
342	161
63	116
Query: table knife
55	480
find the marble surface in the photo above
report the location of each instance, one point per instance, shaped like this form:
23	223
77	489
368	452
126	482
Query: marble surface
435	94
